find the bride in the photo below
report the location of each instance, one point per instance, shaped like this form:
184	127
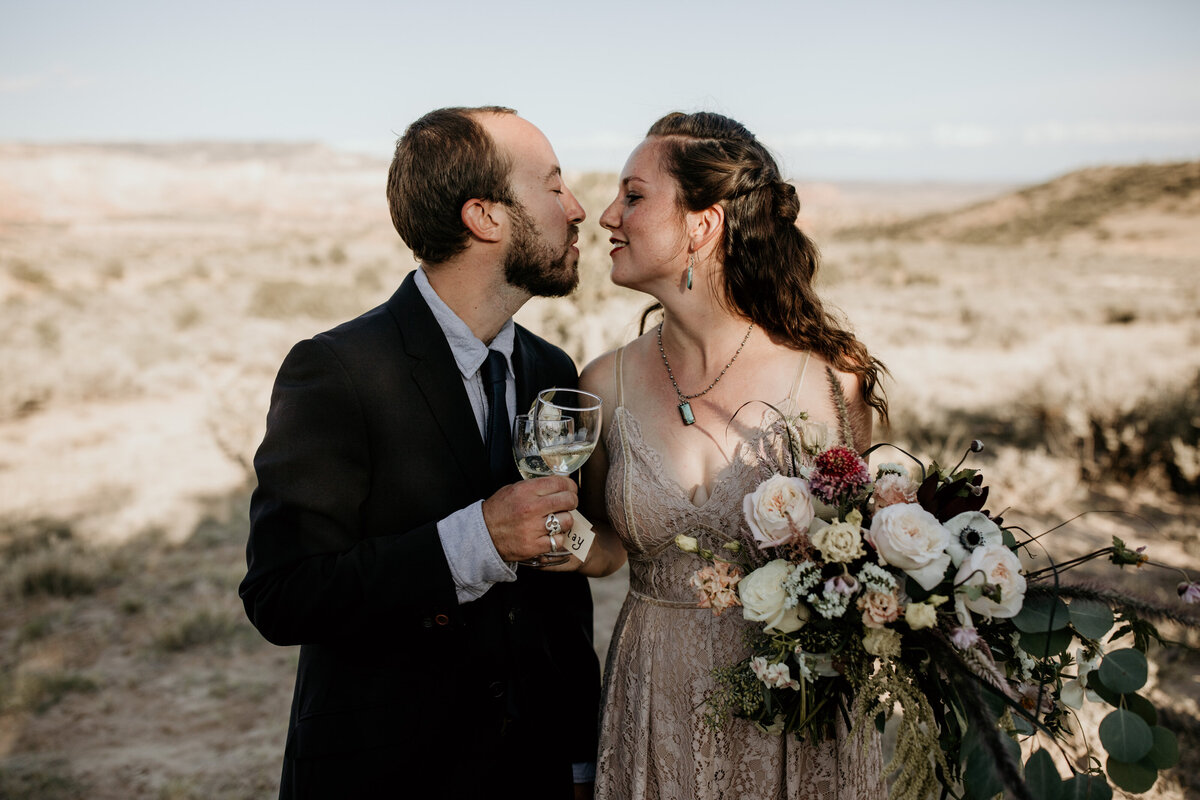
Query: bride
705	224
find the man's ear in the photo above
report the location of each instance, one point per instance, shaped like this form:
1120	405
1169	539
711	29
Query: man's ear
485	219
705	226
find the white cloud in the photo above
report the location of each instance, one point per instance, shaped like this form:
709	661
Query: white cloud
1056	133
964	136
848	138
60	77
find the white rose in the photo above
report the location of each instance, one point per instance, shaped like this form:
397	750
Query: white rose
841	542
777	509
762	597
910	538
687	544
969	530
994	564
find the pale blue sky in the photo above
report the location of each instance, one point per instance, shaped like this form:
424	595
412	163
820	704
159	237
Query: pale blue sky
866	90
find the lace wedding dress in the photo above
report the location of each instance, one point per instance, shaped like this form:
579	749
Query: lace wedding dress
654	741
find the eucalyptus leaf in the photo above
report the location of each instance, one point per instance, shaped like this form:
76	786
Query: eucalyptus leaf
1142	707
1165	752
1042	613
1124	671
1091	618
1096	683
1086	787
1134	777
980	778
1042	776
1041	645
1125	736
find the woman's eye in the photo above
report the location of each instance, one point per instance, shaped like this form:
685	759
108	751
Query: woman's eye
631	197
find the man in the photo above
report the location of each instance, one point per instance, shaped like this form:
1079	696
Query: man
389	514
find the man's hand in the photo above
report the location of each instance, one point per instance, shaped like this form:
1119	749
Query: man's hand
516	516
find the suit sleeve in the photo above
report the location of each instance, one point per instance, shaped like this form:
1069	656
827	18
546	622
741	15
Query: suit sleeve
314	575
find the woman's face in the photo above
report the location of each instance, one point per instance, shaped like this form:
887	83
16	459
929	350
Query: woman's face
649	233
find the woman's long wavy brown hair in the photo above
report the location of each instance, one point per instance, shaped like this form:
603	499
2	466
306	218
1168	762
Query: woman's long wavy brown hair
769	263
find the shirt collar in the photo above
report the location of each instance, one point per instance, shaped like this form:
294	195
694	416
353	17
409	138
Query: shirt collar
469	352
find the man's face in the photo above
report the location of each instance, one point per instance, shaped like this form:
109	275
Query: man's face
544	218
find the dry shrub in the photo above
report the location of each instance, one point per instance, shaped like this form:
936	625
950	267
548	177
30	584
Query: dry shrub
61	569
1155	439
40	782
39	691
285	299
198	629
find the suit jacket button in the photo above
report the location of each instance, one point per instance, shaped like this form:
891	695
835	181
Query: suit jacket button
442	619
497	689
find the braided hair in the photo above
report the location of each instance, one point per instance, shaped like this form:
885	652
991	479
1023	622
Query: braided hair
769	263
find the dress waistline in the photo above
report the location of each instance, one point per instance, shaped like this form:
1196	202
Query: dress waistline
658	601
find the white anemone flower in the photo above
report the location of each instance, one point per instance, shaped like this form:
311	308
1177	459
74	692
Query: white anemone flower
969	530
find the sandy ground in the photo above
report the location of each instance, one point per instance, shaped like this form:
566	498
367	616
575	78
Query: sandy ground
149	294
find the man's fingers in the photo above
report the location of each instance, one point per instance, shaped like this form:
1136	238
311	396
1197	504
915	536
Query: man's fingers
559	501
551	484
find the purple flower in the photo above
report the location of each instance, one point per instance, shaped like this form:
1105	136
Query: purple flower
1189	592
838	472
842	584
964	638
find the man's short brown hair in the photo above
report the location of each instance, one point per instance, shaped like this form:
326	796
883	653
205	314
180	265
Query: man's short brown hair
444	159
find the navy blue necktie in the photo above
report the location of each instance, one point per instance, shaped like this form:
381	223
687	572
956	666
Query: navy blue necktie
499	438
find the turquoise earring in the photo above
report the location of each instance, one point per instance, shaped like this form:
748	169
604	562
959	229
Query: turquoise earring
691	263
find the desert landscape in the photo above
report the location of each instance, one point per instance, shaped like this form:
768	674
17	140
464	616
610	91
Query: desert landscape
149	293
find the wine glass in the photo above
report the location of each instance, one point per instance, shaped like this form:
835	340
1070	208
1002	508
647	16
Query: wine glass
531	465
564	449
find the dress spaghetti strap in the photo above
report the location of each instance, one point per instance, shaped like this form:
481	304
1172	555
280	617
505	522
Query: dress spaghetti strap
794	392
619	376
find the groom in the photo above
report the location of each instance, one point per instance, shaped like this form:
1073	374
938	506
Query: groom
389	514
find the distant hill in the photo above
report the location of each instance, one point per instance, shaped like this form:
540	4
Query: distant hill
1076	202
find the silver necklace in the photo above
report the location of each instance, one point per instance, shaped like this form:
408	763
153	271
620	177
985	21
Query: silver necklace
685	408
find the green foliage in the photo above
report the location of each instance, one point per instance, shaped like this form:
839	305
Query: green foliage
1124	671
1042	776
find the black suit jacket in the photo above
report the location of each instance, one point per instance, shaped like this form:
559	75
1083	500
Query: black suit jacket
370	441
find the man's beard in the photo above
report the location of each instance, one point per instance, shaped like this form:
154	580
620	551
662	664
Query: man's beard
532	264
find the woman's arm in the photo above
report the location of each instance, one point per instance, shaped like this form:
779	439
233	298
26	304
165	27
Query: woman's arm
607	554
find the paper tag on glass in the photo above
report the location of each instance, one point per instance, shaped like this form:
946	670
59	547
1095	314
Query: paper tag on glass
580	537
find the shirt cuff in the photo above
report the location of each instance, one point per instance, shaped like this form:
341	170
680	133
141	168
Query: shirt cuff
474	563
584	772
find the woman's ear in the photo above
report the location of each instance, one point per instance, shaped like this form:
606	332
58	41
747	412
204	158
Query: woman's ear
705	227
484	219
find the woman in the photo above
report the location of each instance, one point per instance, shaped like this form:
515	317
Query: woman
704	222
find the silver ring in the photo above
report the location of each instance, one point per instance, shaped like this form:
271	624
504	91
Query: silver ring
553	544
553	525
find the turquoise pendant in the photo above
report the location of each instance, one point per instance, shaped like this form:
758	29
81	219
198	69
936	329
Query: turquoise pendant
685	411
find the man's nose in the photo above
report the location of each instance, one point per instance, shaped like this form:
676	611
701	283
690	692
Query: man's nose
575	212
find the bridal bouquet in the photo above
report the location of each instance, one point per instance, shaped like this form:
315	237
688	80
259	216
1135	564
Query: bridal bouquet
900	590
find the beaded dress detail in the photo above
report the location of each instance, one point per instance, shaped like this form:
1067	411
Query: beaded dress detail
654	741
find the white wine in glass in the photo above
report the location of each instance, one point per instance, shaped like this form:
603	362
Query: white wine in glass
531	465
566	450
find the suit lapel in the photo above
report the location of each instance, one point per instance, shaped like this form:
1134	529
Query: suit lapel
436	374
527	372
